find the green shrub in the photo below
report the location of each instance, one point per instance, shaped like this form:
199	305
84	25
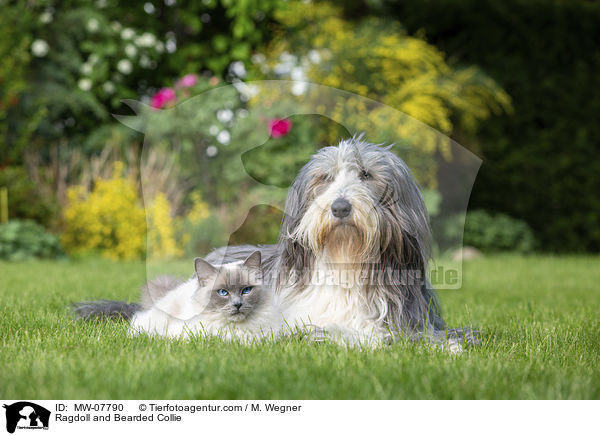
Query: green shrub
23	240
24	199
493	233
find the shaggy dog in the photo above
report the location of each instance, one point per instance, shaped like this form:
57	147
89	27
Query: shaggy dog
353	249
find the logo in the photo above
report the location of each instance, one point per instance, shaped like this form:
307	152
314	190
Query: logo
26	415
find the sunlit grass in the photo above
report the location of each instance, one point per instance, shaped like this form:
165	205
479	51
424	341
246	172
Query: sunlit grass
539	316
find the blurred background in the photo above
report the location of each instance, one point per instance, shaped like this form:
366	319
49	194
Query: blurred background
515	82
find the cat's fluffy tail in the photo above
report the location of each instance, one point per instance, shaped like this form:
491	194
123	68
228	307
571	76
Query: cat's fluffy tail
105	309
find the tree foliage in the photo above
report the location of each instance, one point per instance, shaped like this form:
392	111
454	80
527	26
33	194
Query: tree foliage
376	58
540	162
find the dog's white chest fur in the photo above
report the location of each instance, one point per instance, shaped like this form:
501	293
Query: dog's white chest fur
336	301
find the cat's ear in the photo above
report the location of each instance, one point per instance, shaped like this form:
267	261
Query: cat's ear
203	268
253	261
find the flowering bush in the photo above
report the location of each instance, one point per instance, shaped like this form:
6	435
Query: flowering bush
161	229
110	219
375	58
66	67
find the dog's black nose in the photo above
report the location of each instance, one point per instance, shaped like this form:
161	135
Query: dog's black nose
341	208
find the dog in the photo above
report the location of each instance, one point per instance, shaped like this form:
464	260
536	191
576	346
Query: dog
353	248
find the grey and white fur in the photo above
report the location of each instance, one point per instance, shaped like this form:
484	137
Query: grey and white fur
150	293
227	300
353	210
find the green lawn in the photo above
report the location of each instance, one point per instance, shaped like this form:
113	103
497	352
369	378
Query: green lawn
539	316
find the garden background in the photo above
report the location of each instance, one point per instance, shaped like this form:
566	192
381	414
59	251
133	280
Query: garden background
514	82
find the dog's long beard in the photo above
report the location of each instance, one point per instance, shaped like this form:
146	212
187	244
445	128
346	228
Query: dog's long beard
354	241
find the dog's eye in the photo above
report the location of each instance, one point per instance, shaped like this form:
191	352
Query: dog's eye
324	178
365	175
246	290
223	292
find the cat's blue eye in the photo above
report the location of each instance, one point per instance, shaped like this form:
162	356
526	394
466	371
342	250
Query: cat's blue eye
246	290
222	292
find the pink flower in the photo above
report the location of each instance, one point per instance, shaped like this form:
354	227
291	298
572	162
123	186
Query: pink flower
162	97
188	80
279	127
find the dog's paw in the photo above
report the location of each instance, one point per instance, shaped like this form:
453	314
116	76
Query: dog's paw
465	336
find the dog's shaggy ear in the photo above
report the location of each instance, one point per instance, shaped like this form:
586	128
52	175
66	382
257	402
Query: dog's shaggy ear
293	256
405	252
253	261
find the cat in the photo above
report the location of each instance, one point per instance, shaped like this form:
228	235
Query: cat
225	300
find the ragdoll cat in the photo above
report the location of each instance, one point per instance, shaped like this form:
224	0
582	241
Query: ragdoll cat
225	300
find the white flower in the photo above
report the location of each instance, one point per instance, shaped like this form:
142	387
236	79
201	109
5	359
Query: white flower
145	61
86	69
224	137
93	25
45	17
124	66
84	84
314	56
127	33
282	69
108	87
242	113
258	58
211	151
171	46
298	74
288	58
224	115
238	69
130	50
93	59
160	47
116	26
39	48
146	40
247	91
213	130
299	88
149	8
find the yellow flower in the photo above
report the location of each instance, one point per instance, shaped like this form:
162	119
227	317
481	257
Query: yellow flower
109	219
